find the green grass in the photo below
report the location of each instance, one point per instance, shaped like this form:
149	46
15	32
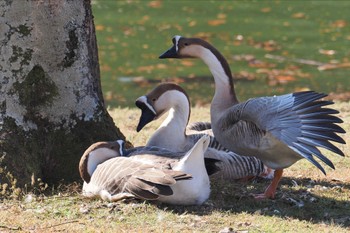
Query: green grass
307	201
132	34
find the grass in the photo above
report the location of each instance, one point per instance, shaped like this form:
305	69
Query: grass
132	34
307	201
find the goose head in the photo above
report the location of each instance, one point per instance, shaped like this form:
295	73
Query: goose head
185	48
198	48
163	98
96	154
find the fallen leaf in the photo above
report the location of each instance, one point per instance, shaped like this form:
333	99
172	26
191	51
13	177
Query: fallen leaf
155	4
192	23
100	27
244	57
186	63
327	52
204	35
162	66
260	64
339	23
178	27
299	15
286	24
333	66
105	67
222	16
145	68
265	9
216	22
144	19
285	78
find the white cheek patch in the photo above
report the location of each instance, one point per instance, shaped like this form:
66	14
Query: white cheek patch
177	38
143	99
121	146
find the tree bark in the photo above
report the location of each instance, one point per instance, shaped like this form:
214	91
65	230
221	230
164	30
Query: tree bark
51	103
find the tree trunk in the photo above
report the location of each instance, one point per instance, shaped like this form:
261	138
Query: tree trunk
51	103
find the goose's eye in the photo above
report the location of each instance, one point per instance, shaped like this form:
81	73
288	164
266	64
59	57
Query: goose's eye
154	99
185	43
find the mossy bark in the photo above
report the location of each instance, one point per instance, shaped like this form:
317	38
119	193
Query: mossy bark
51	103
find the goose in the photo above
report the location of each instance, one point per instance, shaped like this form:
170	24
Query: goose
279	130
113	174
172	135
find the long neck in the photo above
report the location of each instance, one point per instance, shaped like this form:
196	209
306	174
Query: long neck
224	90
171	133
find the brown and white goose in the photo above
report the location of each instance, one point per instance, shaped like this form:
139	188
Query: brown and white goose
279	130
172	99
161	175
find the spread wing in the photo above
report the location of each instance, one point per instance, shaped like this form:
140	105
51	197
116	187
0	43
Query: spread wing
299	120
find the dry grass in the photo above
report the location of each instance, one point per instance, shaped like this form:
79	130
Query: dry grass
307	201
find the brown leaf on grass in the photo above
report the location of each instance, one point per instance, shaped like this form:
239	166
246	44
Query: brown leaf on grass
187	63
327	52
128	31
143	20
260	64
216	22
162	66
147	69
245	75
299	15
265	9
178	27
286	24
99	27
192	23
339	23
222	16
204	35
110	39
334	66
176	80
269	45
243	57
155	4
348	37
105	67
285	78
280	79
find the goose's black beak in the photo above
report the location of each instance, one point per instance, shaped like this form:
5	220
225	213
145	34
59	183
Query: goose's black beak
146	117
170	53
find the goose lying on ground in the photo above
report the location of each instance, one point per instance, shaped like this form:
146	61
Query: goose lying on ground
168	177
171	98
279	130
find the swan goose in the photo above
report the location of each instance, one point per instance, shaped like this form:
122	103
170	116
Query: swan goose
172	135
180	179
279	130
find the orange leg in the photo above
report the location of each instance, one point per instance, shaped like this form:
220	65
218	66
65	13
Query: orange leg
271	189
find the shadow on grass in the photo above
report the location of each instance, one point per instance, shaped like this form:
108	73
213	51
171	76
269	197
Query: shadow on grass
297	198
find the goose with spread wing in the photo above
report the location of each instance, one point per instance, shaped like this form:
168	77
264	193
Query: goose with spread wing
279	130
172	134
